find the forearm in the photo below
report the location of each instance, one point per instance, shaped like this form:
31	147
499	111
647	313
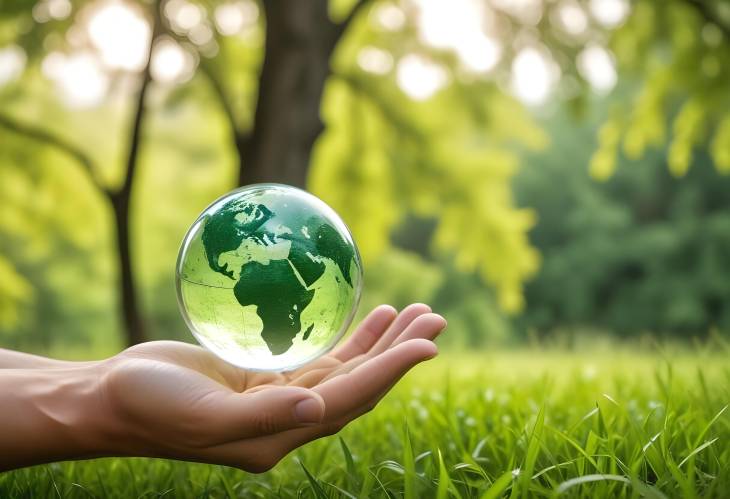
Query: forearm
49	415
10	359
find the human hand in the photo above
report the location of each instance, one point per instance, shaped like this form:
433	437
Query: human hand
175	400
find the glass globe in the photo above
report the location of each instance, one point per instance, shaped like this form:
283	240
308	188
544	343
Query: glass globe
268	277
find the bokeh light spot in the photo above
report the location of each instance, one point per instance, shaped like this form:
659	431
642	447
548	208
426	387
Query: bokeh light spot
419	78
120	34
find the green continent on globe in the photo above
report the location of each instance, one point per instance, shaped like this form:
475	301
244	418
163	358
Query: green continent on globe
280	298
279	287
226	229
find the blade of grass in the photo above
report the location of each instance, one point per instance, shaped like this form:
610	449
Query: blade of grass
588	479
409	466
316	487
499	485
226	483
588	416
697	451
708	425
442	491
349	463
576	445
533	449
647	490
53	481
341	490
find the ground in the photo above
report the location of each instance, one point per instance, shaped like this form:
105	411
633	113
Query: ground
531	423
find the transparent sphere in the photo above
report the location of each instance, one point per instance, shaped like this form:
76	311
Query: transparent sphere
268	277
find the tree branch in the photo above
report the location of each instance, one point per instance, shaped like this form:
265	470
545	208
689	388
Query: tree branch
217	86
62	145
706	11
139	111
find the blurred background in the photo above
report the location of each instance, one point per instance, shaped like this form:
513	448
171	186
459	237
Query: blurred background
537	170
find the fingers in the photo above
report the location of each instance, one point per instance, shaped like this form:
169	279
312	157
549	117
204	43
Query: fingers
267	410
346	398
408	355
367	333
427	326
400	323
257	455
235	416
343	394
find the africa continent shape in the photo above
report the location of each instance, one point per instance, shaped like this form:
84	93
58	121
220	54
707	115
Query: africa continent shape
274	269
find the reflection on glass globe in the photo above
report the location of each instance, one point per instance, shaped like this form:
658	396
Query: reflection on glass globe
268	277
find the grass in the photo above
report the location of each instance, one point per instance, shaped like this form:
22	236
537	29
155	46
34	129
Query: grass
511	424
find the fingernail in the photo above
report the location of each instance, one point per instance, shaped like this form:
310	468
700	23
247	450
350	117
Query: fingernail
308	411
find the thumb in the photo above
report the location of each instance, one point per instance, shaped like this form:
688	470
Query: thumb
271	410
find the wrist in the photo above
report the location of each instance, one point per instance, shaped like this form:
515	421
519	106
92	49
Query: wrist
72	401
53	414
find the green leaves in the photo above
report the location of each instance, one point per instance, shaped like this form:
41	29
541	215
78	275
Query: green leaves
15	294
679	52
640	251
688	127
720	148
383	161
603	161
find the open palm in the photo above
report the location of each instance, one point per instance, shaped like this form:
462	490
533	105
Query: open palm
177	400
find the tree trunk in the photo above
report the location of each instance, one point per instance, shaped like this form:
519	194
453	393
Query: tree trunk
131	315
299	41
132	318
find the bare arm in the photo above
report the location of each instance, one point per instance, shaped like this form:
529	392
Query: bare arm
10	359
47	415
175	400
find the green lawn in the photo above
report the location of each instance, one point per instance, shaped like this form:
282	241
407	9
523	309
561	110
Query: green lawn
517	424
